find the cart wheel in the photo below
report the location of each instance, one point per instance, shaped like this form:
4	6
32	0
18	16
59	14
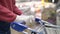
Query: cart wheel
33	32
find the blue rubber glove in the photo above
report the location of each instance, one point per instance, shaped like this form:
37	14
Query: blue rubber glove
18	26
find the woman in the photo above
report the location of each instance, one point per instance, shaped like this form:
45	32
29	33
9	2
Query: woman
8	13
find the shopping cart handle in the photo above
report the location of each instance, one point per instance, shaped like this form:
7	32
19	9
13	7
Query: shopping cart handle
39	21
18	27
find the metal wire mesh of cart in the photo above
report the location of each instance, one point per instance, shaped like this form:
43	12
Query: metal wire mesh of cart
47	28
52	29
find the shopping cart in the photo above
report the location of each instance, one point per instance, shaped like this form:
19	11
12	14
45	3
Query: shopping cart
40	29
